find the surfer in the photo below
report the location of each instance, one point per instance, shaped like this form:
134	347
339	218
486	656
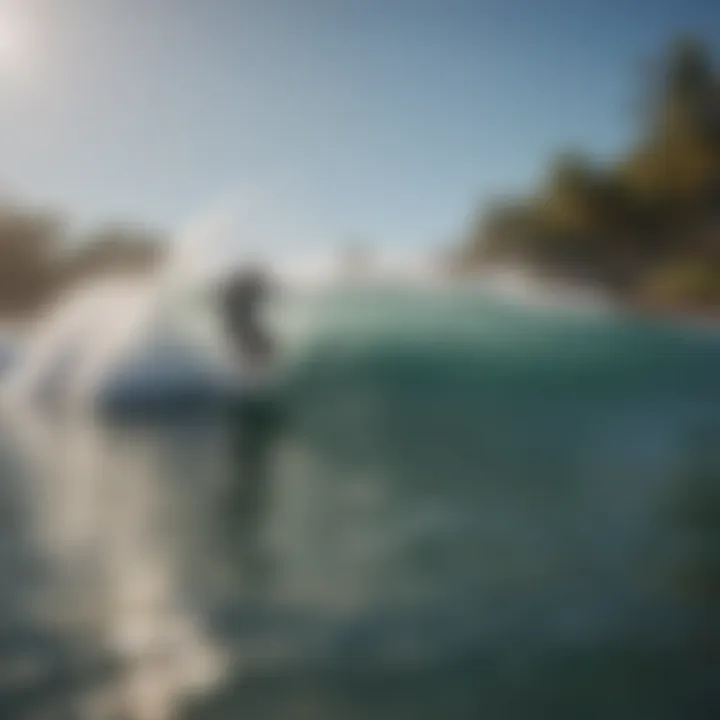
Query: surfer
243	296
254	422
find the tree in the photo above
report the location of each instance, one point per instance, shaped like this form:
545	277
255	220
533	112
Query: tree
640	225
28	258
115	249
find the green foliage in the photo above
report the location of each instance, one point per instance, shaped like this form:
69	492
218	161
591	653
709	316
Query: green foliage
114	249
38	259
690	284
639	225
28	241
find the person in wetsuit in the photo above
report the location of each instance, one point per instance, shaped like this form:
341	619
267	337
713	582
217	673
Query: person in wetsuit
242	298
254	425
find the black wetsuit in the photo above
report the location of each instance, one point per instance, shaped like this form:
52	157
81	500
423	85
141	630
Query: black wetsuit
242	297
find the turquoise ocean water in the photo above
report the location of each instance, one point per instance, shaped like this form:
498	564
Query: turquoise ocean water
454	507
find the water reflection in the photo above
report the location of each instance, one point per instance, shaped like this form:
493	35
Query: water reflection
105	529
253	434
378	557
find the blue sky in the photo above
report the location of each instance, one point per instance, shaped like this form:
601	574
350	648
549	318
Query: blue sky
389	120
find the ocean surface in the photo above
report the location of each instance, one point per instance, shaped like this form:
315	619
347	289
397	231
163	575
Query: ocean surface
450	506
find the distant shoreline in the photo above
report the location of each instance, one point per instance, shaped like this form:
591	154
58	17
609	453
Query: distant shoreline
527	283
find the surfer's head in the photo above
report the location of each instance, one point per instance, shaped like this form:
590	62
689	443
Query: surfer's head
247	287
243	294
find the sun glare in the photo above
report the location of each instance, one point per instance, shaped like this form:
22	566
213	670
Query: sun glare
13	44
